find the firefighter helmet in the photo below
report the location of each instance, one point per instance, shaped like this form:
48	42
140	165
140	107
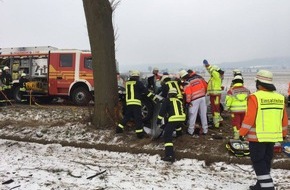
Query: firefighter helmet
238	77
23	74
5	68
182	73
135	73
237	72
264	76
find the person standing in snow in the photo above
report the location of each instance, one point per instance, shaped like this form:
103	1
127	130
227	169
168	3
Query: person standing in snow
214	90
236	103
195	92
265	123
173	108
7	81
134	90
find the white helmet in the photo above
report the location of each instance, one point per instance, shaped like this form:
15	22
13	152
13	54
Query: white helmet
265	76
23	74
238	77
5	68
0	70
182	73
172	91
135	73
236	71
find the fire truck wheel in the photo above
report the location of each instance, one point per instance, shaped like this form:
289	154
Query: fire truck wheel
81	96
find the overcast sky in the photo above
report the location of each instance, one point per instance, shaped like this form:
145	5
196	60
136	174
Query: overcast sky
158	31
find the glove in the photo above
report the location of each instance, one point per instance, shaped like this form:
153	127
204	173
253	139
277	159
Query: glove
205	62
242	138
159	122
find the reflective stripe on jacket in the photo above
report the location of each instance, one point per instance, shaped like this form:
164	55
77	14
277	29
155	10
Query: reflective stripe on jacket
266	118
174	108
174	84
214	86
195	89
134	91
236	99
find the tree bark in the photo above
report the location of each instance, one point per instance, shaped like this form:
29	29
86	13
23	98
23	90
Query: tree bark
101	34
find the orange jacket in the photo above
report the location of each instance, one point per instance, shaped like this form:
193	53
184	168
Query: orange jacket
195	89
250	119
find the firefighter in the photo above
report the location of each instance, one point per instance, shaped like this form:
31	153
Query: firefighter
167	83
172	107
236	72
22	83
236	103
195	92
214	89
264	124
134	90
7	81
151	81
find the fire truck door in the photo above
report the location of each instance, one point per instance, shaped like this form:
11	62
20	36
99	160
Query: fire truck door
61	73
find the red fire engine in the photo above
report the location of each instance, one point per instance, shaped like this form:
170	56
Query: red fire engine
52	72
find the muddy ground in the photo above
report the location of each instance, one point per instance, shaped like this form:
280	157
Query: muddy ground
71	126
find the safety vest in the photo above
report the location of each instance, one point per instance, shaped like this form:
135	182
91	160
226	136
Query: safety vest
214	86
269	116
195	89
131	94
174	84
173	108
178	111
236	99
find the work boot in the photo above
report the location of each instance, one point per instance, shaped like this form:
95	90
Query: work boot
119	130
255	187
168	159
140	135
178	134
236	133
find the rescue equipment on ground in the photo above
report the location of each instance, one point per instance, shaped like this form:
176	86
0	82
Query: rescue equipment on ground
238	148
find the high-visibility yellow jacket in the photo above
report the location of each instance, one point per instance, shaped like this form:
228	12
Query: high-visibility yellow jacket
214	86
266	118
236	98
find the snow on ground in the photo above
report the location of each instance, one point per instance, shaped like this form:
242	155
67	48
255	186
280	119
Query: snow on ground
35	166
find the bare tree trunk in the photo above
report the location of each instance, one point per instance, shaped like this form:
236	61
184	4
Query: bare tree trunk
101	34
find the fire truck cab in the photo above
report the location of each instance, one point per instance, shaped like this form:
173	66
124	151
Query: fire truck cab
52	72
